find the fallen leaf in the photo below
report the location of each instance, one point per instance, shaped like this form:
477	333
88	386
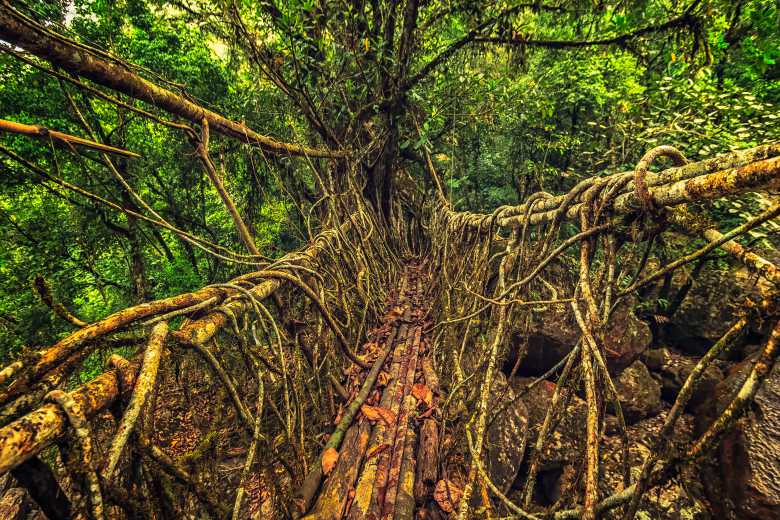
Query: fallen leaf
387	415
447	495
376	450
423	393
370	412
329	459
376	413
383	378
395	312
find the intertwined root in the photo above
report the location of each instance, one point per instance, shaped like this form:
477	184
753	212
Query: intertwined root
285	369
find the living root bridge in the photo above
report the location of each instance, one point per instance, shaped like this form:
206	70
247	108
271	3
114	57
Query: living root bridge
382	458
728	174
594	308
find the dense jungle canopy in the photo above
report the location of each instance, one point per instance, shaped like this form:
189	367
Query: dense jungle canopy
389	259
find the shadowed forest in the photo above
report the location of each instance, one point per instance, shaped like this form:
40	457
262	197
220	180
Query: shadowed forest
389	259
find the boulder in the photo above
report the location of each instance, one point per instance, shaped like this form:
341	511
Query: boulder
672	500
709	309
673	368
564	450
567	444
625	338
640	394
510	438
745	468
505	439
556	333
549	340
543	350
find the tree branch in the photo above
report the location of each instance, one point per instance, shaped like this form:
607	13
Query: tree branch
685	20
447	53
62	138
202	149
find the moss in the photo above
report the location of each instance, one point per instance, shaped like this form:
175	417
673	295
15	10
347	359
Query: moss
206	445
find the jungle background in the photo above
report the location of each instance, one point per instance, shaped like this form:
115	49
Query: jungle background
506	99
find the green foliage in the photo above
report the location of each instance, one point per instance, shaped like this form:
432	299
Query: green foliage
83	249
501	121
539	118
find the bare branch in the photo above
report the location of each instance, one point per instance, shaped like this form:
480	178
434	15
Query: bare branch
60	137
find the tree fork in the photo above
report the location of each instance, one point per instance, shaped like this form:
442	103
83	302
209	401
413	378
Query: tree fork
44	292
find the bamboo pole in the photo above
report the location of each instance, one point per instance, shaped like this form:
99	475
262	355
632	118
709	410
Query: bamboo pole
312	482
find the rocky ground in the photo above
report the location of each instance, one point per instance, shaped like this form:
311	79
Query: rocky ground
650	363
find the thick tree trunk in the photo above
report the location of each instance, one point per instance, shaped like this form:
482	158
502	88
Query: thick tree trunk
379	188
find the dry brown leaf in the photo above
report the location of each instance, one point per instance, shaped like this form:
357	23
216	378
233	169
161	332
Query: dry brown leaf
376	413
387	415
423	393
395	312
376	450
370	412
447	495
329	459
383	378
